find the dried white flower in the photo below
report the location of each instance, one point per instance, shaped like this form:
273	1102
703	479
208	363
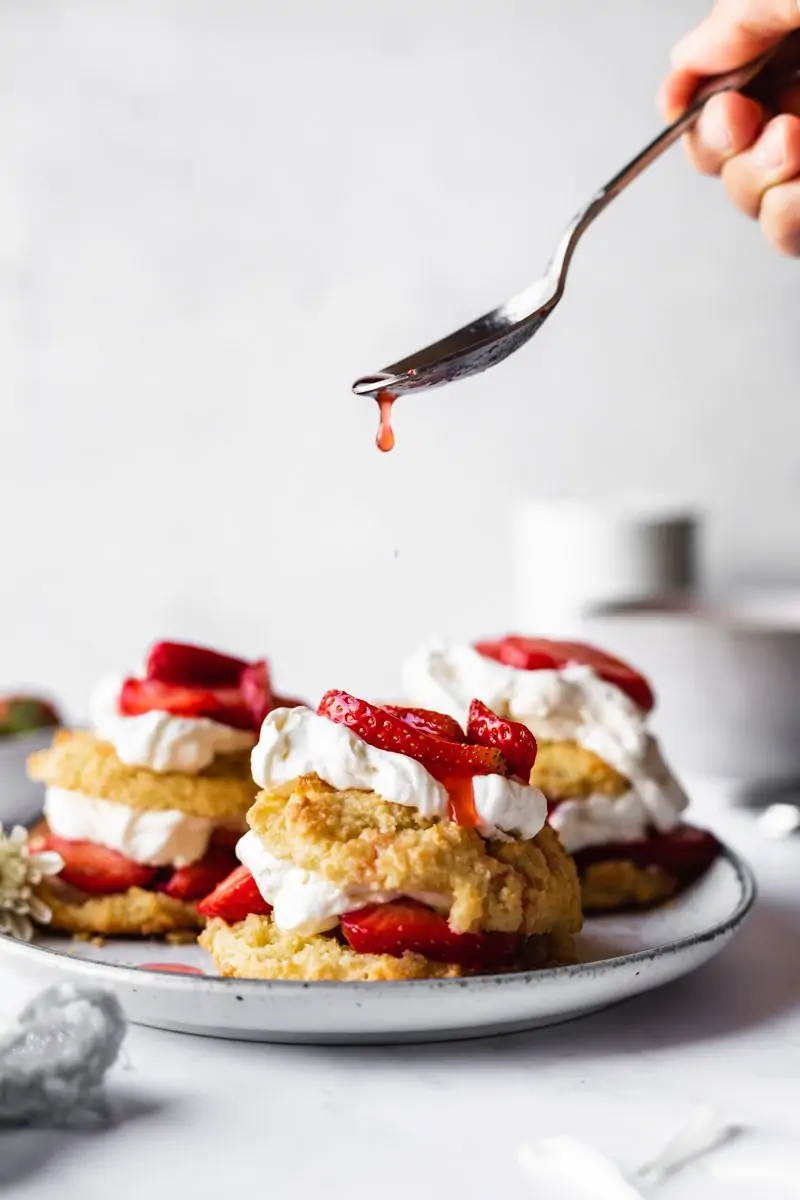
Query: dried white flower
21	870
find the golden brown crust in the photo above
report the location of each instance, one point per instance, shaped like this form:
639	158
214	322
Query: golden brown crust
567	771
622	884
356	838
80	762
255	949
135	913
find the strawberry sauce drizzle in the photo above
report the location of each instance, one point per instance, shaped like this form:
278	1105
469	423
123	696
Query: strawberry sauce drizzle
385	439
462	801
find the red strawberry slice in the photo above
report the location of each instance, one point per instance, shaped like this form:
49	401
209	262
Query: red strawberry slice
226	838
144	695
256	691
225	705
405	925
200	878
536	654
96	869
380	728
184	665
684	851
235	898
515	741
427	721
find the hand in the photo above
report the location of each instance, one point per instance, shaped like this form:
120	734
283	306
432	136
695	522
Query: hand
756	151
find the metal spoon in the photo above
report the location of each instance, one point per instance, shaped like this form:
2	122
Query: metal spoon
500	332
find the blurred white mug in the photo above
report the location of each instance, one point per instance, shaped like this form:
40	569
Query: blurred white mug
572	556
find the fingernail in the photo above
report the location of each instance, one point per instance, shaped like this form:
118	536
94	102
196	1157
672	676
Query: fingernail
714	129
770	151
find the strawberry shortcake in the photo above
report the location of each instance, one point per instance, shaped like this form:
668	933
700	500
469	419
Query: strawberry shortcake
612	799
146	808
392	843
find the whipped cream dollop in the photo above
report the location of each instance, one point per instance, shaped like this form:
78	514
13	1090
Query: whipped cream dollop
296	741
304	902
166	838
599	820
570	704
158	740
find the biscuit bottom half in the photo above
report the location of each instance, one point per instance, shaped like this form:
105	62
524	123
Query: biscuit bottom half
134	913
257	949
620	884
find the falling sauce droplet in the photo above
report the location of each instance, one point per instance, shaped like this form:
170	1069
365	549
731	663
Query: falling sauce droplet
385	439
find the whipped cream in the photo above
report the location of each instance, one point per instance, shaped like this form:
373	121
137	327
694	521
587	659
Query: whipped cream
165	838
158	740
599	820
295	741
572	704
304	902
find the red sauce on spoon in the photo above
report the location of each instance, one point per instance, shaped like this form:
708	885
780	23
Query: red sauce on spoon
385	439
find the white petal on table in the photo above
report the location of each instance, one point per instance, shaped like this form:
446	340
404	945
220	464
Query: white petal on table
595	1175
574	1162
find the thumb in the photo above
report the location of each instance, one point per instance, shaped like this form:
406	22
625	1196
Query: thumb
734	32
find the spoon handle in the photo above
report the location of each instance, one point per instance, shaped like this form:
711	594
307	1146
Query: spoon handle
747	78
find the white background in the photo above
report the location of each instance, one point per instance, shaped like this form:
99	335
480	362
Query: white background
215	215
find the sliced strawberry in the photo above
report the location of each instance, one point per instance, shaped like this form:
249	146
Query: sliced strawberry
224	705
537	654
378	727
144	695
405	925
235	898
200	878
96	869
427	721
256	691
231	711
190	681
515	741
192	666
684	851
226	838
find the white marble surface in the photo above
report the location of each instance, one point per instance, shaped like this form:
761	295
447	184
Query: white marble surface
215	215
201	1117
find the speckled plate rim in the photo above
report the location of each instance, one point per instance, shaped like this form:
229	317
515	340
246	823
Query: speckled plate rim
94	971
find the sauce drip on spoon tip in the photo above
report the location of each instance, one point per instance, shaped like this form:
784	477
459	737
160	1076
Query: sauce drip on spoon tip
385	438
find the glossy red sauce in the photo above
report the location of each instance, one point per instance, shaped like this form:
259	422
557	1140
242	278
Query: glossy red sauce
462	802
385	439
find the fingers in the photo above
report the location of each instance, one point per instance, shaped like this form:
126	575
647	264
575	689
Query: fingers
780	217
728	126
735	31
773	159
757	157
676	92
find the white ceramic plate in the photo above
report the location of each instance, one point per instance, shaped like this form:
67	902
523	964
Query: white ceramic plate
621	957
